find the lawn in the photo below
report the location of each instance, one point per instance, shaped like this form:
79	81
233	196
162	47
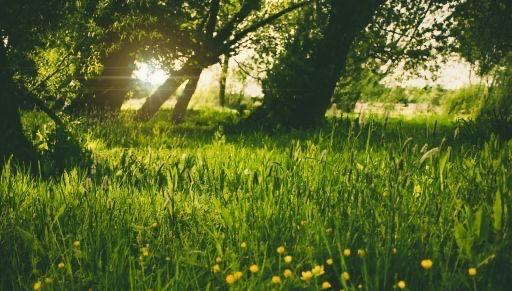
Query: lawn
211	205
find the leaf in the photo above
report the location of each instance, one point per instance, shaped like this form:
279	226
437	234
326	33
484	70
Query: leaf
497	210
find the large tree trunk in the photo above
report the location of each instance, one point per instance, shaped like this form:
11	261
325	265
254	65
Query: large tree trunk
222	82
107	92
299	91
169	87
180	109
12	140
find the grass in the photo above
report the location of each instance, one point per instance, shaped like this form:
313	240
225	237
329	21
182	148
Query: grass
161	206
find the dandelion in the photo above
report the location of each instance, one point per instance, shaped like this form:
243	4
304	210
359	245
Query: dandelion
361	253
216	268
76	244
288	273
145	251
254	268
329	262
238	275
326	285
243	245
230	279
218	260
345	276
346	252
38	285
401	284
472	271
426	264
288	259
306	275
276	279
318	270
280	250
48	280
385	194
417	189
61	265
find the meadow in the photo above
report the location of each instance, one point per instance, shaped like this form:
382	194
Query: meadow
419	204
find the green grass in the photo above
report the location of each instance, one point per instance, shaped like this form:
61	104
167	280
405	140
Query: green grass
159	204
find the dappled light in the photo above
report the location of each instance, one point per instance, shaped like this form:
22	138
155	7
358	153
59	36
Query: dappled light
256	145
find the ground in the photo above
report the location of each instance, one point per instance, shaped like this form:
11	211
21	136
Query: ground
418	204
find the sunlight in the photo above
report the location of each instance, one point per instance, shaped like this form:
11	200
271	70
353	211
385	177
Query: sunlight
150	73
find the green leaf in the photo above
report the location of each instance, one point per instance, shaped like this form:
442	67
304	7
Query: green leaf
497	210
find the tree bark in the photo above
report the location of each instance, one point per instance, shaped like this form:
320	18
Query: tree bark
107	92
12	140
222	82
169	87
180	109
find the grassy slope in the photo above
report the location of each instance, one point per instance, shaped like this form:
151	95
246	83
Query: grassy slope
161	204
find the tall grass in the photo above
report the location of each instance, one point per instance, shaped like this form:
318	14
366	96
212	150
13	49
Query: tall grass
162	206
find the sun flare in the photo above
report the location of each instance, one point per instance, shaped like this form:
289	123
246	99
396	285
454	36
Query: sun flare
150	73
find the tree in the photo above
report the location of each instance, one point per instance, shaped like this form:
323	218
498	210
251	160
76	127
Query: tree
21	28
337	37
222	81
220	33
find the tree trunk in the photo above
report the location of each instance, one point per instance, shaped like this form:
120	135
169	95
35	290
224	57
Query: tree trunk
107	92
223	78
180	109
12	140
313	70
169	87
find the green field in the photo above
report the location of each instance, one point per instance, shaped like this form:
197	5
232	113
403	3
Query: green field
188	207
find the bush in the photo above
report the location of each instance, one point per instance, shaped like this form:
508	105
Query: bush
466	100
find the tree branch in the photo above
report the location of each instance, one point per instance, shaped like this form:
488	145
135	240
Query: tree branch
238	36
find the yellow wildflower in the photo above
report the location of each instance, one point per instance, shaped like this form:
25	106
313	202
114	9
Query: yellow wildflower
426	264
318	270
76	243
360	286
326	285
280	250
394	251
276	279
218	260
417	189
472	271
60	265
48	280
154	225
238	275
288	273
38	285
306	275
288	259
401	284
254	268
345	276
145	251
346	252
329	262
216	268
361	253
243	245
230	279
